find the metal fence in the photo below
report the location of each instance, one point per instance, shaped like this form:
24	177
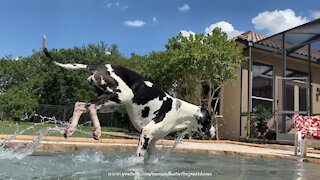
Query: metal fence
64	113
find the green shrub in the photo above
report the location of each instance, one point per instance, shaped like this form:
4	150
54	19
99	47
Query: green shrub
261	117
17	104
121	115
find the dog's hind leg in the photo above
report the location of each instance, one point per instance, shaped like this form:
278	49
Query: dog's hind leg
96	124
79	108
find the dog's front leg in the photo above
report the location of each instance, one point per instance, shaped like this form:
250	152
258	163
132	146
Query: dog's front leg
79	108
144	143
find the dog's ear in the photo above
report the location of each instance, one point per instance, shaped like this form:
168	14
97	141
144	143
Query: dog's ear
92	69
206	113
203	115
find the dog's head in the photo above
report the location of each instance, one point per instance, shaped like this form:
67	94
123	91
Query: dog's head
205	129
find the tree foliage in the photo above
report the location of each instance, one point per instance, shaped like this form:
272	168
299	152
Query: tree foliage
18	102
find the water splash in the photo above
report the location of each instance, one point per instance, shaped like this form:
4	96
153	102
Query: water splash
129	161
22	150
165	153
51	120
155	157
176	142
89	156
7	140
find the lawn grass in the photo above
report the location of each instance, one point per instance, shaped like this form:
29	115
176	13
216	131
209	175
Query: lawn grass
10	127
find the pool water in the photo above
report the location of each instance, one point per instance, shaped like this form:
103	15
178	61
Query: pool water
96	165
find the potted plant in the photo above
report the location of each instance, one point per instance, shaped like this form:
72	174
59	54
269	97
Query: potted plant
261	117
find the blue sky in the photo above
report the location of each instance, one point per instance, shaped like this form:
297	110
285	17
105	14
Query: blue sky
139	26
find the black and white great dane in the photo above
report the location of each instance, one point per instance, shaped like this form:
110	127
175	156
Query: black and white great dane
152	112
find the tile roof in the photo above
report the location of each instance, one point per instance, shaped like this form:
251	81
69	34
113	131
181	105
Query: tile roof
250	36
274	43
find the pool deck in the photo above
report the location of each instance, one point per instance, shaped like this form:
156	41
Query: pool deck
270	151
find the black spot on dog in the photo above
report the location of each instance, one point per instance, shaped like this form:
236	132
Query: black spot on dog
145	112
128	76
164	109
139	154
144	94
146	142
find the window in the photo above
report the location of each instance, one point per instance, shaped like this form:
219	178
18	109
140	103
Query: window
289	98
296	91
262	85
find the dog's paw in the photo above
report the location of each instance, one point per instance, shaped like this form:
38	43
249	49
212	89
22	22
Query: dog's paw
68	132
96	133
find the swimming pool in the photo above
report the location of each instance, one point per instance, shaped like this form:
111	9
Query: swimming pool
96	165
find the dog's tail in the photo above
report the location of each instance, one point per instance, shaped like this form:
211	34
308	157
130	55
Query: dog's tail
66	66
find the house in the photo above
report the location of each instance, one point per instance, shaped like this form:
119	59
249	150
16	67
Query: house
282	74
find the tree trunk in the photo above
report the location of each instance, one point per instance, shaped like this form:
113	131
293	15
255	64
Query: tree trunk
214	116
213	110
189	92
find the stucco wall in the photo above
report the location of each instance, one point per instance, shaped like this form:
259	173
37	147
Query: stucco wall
230	97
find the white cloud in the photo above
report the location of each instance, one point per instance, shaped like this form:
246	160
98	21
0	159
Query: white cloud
277	21
117	4
136	23
155	20
225	27
185	33
184	8
315	14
